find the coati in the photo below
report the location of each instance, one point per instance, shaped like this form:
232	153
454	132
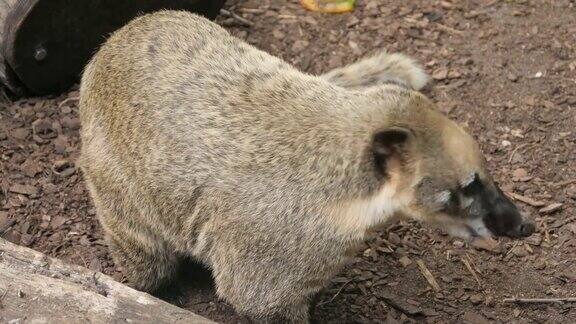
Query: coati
196	144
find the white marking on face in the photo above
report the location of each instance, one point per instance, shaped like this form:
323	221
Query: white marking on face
465	202
444	197
468	180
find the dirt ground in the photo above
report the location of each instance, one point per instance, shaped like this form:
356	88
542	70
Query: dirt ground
505	69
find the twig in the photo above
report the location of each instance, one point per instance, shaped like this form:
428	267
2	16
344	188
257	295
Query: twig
67	100
545	228
515	150
512	248
540	300
252	10
6	226
526	200
563	183
82	258
337	293
428	275
471	270
236	17
3	295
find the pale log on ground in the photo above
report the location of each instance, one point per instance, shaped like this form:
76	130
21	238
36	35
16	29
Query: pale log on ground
38	289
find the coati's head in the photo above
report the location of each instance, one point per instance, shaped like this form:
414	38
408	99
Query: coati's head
437	169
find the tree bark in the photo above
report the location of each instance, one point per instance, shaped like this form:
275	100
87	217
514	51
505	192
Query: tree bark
38	289
5	7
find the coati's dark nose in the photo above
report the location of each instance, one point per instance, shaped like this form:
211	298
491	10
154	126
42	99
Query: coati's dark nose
502	217
524	230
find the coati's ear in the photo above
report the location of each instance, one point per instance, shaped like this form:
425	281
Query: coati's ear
388	142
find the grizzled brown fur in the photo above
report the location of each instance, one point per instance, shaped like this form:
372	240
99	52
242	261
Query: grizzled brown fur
196	144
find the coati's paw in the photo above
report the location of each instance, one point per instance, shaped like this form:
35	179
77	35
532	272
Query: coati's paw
382	68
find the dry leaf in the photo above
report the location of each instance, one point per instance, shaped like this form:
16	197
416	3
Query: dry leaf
329	6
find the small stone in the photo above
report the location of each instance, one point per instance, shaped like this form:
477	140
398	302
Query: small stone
446	5
61	166
278	34
299	46
66	110
458	244
43	129
405	261
454	74
57	221
519	173
355	48
440	74
394	238
552	208
538	75
506	143
71	122
476	299
45	221
67	172
512	77
540	265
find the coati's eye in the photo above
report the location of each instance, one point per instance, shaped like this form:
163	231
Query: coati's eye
472	185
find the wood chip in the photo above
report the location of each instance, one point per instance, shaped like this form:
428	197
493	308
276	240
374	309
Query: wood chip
405	261
24	189
398	303
428	275
551	208
471	270
440	73
488	244
526	200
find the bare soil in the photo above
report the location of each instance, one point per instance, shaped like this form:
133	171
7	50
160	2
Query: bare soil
505	69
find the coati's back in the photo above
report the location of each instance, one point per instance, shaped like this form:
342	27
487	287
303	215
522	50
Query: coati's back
171	104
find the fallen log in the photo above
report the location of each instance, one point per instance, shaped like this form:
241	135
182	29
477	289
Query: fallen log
35	288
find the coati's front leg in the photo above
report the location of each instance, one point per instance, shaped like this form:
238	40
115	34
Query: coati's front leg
146	259
148	269
380	69
267	274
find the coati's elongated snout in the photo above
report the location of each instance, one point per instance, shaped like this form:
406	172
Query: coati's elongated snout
497	212
444	174
485	210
